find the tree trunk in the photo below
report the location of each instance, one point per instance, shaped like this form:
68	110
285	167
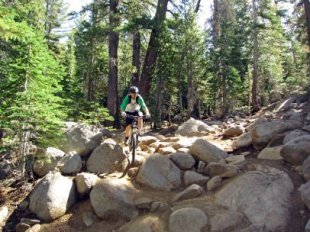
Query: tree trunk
255	106
159	89
152	50
113	99
224	95
190	91
307	14
136	48
197	6
216	21
216	30
91	72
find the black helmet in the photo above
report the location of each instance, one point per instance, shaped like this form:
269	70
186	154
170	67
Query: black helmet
133	89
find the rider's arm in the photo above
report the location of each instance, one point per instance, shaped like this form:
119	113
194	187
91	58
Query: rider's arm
143	106
124	103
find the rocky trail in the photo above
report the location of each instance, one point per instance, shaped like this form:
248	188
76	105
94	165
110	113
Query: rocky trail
242	174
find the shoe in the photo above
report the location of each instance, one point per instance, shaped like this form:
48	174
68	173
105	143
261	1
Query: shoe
126	141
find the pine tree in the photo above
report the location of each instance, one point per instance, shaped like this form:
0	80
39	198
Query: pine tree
31	109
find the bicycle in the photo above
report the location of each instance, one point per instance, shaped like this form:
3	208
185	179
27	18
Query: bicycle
132	142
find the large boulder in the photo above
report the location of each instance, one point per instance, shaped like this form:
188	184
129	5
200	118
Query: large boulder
264	132
187	219
206	151
193	127
263	197
159	172
291	135
52	197
82	139
46	161
296	151
106	158
242	141
112	199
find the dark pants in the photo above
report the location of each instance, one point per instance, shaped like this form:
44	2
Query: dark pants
129	120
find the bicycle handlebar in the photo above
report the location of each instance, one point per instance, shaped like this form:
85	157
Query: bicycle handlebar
134	117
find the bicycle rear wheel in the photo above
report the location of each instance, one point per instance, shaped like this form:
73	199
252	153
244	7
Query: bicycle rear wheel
133	144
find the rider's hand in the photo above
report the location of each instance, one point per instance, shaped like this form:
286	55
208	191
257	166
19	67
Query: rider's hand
123	114
147	116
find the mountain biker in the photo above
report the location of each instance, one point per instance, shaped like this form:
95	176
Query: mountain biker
132	104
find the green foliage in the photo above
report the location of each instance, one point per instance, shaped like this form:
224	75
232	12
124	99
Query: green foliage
95	115
30	82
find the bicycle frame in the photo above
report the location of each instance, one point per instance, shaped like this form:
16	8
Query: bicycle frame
132	142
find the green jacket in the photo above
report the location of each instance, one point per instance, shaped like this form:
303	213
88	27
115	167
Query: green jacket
127	100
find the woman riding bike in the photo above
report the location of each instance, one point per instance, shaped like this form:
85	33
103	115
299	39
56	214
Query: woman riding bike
132	104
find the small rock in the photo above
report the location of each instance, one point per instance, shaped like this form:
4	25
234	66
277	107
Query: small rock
35	228
214	182
4	212
191	192
133	172
237	160
271	153
307	228
223	170
89	218
166	150
233	131
191	177
246	153
183	160
143	203
158	206
22	227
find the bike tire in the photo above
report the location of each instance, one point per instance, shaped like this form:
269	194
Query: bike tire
133	145
132	148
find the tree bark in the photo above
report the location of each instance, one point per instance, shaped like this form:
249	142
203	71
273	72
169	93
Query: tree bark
113	99
152	50
255	77
136	50
216	21
307	14
216	30
197	6
159	88
190	91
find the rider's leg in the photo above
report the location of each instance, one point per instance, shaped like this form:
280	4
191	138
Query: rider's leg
127	132
140	125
